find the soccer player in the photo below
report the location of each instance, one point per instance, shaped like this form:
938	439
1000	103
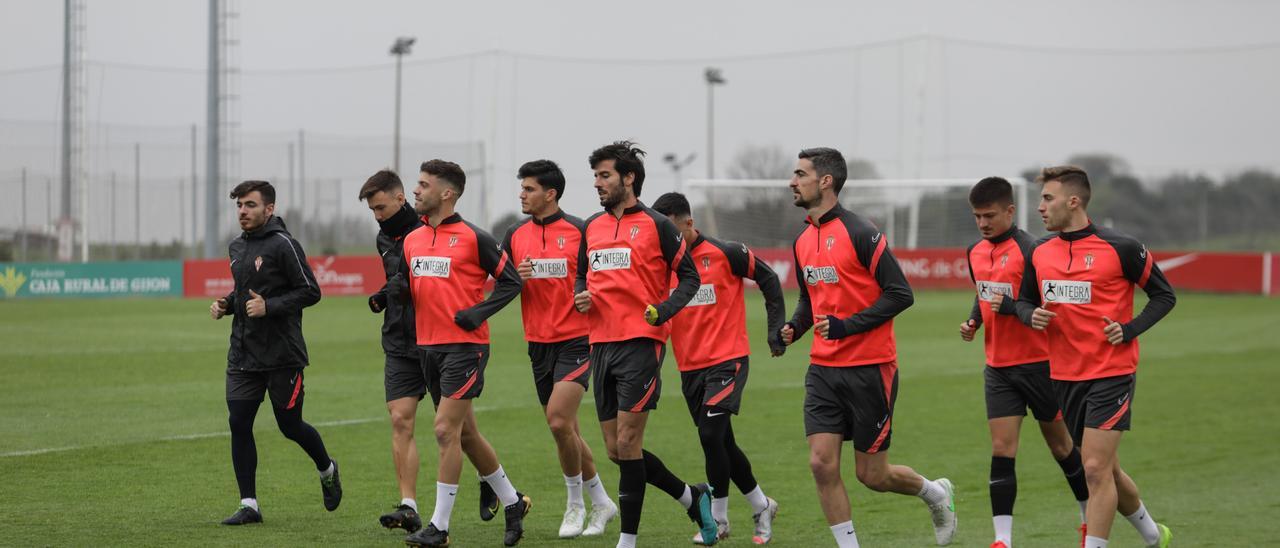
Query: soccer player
624	267
546	246
404	378
1078	288
1017	372
446	263
273	283
851	287
709	338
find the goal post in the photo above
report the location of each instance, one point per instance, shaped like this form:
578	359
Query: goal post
913	213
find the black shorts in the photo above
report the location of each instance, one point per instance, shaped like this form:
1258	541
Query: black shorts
284	385
455	371
1011	390
403	378
627	376
564	361
855	402
717	389
1104	404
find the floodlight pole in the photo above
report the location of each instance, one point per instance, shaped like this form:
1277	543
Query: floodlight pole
400	48
714	77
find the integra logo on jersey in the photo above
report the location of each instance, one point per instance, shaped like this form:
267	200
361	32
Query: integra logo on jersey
988	290
550	268
706	295
434	267
824	274
617	258
1067	291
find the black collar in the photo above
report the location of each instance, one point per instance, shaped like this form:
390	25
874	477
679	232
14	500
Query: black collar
834	212
697	240
1004	237
455	218
399	224
559	214
633	209
1079	234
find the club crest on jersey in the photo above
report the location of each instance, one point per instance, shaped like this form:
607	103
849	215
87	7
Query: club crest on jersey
453	240
1067	291
1088	261
433	267
706	263
618	258
1004	260
257	263
560	242
824	274
634	231
831	242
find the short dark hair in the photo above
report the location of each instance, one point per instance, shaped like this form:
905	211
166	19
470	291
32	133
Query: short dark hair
382	181
627	158
546	172
673	203
264	188
828	161
991	191
1073	178
447	171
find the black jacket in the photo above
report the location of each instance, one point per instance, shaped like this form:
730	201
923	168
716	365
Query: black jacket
271	263
399	334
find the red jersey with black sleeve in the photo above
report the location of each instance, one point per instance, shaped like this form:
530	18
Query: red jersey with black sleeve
712	328
996	266
626	263
546	299
446	267
1084	276
846	271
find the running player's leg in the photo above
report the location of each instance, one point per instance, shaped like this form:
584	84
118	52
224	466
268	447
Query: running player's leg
404	385
562	418
828	421
1003	483
1098	451
287	395
1064	451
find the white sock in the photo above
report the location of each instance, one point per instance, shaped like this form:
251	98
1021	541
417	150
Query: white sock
626	540
327	471
1145	524
410	503
251	503
502	486
574	485
1084	505
1094	542
687	498
720	509
1004	529
931	493
845	537
595	488
757	499
445	495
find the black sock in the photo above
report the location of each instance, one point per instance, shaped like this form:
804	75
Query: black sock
244	451
739	466
657	475
291	425
1004	486
631	485
1073	469
712	433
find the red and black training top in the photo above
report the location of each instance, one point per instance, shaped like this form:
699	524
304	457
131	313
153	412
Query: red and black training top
626	263
996	266
845	270
712	328
1082	277
447	266
546	299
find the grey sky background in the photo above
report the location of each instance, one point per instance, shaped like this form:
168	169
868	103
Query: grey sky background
1169	86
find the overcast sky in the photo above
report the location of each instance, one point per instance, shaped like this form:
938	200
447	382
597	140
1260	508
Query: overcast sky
1161	84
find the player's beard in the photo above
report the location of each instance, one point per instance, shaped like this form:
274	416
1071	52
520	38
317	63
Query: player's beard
426	206
611	199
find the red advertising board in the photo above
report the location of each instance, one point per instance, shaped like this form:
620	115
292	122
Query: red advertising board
1190	270
338	275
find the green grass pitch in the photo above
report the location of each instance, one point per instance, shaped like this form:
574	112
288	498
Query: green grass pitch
113	432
